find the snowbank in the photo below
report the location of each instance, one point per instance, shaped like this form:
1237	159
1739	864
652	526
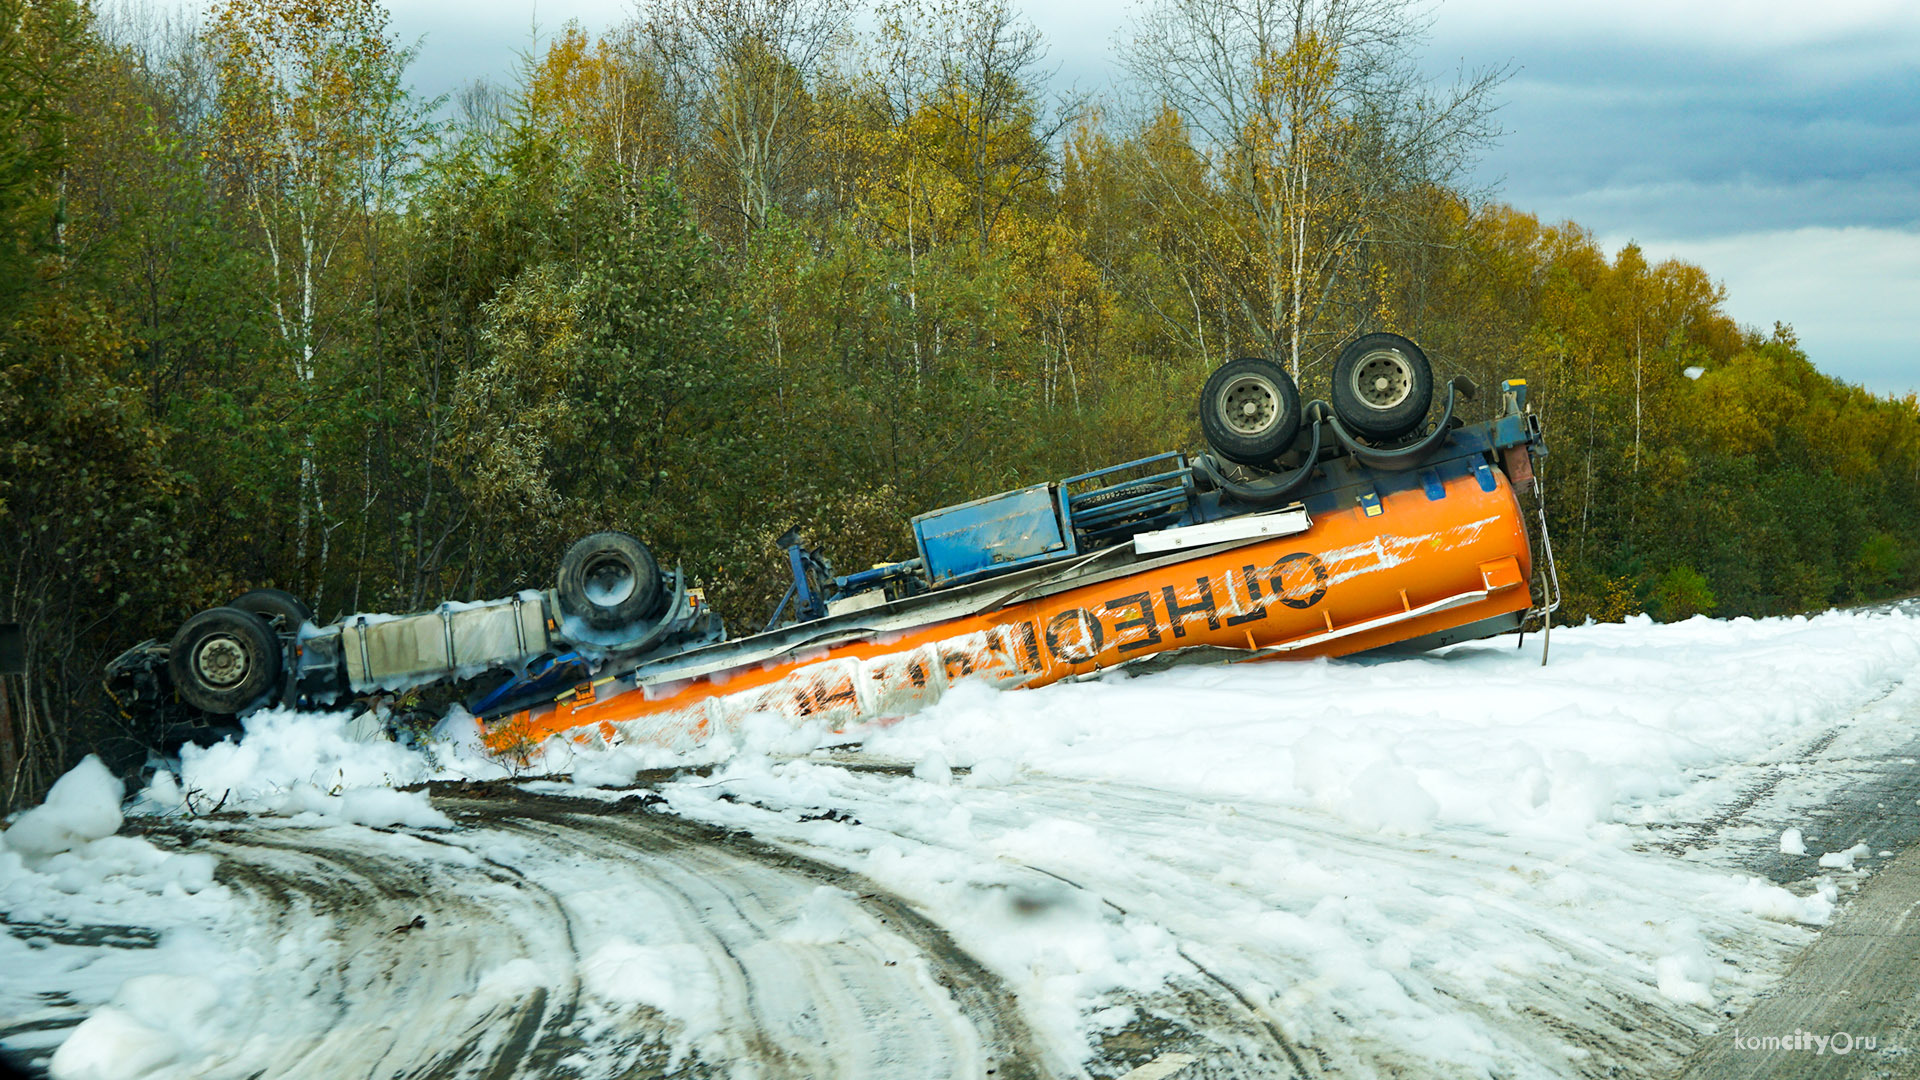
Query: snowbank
82	806
322	766
141	934
68	846
1617	728
153	1021
286	755
109	920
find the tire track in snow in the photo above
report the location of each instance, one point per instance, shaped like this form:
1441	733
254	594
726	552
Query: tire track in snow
1582	1013
1831	783
813	971
882	990
885	994
1492	953
348	985
1201	1015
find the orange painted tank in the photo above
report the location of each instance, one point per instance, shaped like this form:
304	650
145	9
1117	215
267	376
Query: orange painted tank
1354	581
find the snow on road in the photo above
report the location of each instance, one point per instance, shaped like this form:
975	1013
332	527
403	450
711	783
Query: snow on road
1460	864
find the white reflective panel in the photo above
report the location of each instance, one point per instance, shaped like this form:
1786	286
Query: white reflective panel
1276	523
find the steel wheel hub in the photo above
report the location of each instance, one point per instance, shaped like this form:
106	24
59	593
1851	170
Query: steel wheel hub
1382	379
1250	405
221	661
609	581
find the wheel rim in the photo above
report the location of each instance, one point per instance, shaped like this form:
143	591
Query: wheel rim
1382	379
1249	405
608	581
221	661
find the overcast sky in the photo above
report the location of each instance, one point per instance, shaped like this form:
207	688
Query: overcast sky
1775	144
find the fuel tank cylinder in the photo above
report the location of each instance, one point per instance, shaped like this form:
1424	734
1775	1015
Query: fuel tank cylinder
1376	570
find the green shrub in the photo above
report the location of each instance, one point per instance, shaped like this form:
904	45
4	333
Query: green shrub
1682	593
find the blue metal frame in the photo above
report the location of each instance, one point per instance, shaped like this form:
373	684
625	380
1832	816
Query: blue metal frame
1160	500
1160	493
807	604
876	577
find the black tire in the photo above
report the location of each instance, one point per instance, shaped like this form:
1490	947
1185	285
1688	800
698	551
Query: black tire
609	581
1382	387
224	660
1250	411
1103	498
271	604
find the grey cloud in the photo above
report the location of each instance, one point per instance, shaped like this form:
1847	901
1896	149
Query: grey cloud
1691	140
1761	164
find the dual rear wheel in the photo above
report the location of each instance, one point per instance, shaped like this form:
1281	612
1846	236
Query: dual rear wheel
1250	411
1250	408
1382	387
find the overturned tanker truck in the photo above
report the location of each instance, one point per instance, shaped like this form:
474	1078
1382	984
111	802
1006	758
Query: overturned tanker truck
1319	530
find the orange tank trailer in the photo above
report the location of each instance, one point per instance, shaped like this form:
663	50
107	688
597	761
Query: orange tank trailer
1355	580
